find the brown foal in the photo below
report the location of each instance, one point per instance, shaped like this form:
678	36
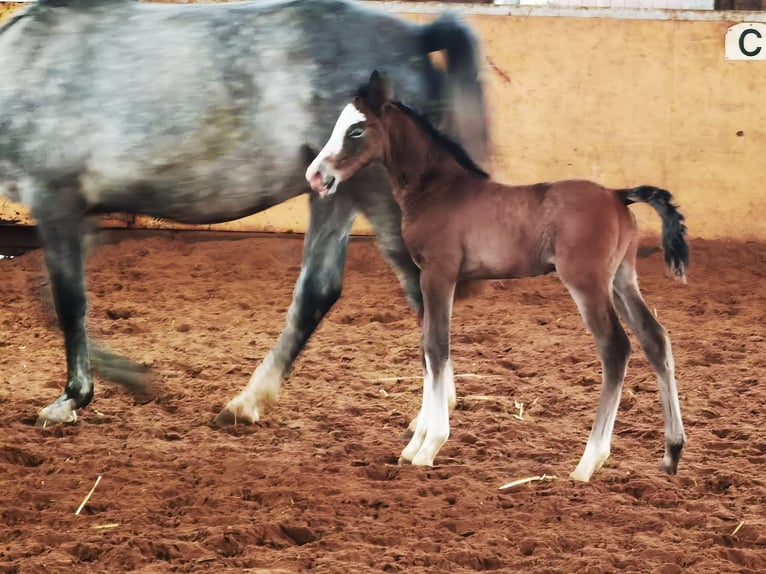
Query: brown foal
459	224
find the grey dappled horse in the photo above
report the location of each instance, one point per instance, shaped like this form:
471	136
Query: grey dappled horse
202	114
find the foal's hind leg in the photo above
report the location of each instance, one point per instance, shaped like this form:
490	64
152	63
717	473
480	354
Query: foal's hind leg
656	345
595	305
62	242
432	424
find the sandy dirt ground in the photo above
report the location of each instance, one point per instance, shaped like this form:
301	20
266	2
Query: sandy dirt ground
315	485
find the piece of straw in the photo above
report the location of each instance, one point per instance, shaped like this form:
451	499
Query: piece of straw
527	480
87	498
458	376
740	525
103	526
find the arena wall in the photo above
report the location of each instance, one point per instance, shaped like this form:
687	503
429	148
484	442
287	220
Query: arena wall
626	97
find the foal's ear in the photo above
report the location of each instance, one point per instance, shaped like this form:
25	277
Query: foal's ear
379	91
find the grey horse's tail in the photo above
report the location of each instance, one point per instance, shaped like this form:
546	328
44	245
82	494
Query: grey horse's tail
464	93
673	228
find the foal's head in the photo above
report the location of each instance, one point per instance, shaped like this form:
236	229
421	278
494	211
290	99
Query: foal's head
357	140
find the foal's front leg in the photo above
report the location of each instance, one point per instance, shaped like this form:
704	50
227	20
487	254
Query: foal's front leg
432	424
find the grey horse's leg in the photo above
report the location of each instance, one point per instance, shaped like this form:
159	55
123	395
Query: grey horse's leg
374	199
62	242
110	366
117	369
318	288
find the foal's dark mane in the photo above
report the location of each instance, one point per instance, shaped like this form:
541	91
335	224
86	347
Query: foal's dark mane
455	149
451	146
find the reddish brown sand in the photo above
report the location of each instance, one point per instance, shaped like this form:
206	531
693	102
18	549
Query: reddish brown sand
315	486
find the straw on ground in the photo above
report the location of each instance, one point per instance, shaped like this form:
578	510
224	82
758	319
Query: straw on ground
87	497
527	480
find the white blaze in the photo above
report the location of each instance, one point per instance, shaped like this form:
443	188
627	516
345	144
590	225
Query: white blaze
347	118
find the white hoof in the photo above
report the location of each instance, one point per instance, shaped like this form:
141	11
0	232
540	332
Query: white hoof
58	412
589	464
240	411
413	447
423	448
423	459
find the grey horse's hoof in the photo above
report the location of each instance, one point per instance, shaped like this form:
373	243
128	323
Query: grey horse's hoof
58	412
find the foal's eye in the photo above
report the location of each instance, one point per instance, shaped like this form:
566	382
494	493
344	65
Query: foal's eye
355	132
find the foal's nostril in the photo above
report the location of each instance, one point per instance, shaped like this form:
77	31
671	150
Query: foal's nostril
329	182
315	181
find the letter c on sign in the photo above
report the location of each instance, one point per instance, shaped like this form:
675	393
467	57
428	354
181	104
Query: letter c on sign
746	41
743	49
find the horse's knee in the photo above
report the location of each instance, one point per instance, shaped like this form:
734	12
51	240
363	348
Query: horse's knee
317	295
328	288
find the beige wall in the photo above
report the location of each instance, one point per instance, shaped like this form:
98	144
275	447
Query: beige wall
622	101
628	102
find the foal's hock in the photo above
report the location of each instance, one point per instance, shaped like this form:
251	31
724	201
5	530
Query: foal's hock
459	224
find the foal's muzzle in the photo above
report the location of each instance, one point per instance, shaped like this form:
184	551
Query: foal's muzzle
323	184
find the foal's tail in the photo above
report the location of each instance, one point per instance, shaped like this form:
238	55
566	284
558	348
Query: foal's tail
673	229
465	95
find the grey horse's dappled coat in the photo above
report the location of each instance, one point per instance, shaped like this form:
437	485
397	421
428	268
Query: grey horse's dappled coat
206	113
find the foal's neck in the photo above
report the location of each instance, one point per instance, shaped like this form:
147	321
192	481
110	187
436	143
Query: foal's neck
413	158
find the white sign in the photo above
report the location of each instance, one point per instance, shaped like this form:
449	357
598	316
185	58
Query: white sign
746	42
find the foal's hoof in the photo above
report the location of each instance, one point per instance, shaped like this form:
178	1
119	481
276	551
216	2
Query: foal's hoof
58	412
231	417
673	451
225	418
580	476
417	461
669	465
